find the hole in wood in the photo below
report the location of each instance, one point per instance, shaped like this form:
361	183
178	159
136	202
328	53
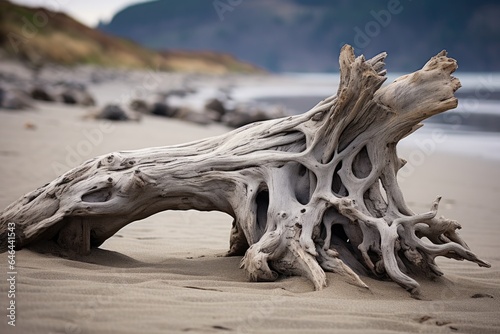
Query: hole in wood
339	232
383	192
305	182
338	186
262	201
101	195
361	164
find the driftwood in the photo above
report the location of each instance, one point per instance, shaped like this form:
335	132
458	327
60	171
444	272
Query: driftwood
308	193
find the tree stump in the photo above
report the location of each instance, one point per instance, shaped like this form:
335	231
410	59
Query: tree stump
306	192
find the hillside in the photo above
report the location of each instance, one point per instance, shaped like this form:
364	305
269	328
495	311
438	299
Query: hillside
306	35
38	35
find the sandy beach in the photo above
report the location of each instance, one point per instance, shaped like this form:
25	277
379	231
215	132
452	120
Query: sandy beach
167	273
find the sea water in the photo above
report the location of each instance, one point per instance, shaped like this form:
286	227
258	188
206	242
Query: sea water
473	128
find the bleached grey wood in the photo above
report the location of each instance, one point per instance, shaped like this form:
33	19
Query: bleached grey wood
304	191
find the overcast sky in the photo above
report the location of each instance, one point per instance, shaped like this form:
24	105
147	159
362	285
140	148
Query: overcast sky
88	12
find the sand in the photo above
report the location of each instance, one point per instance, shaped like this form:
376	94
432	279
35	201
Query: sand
166	273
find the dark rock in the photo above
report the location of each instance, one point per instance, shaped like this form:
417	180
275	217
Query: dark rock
113	112
77	96
69	97
163	109
217	106
140	106
235	119
250	112
41	94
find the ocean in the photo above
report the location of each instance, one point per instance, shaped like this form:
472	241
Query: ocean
473	128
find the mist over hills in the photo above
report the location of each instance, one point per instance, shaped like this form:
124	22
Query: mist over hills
306	35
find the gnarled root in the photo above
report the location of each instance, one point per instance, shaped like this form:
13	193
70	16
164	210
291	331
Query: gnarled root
306	192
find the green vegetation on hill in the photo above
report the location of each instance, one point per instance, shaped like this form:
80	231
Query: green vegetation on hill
39	35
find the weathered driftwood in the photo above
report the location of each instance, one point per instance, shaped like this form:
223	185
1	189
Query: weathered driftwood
306	192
